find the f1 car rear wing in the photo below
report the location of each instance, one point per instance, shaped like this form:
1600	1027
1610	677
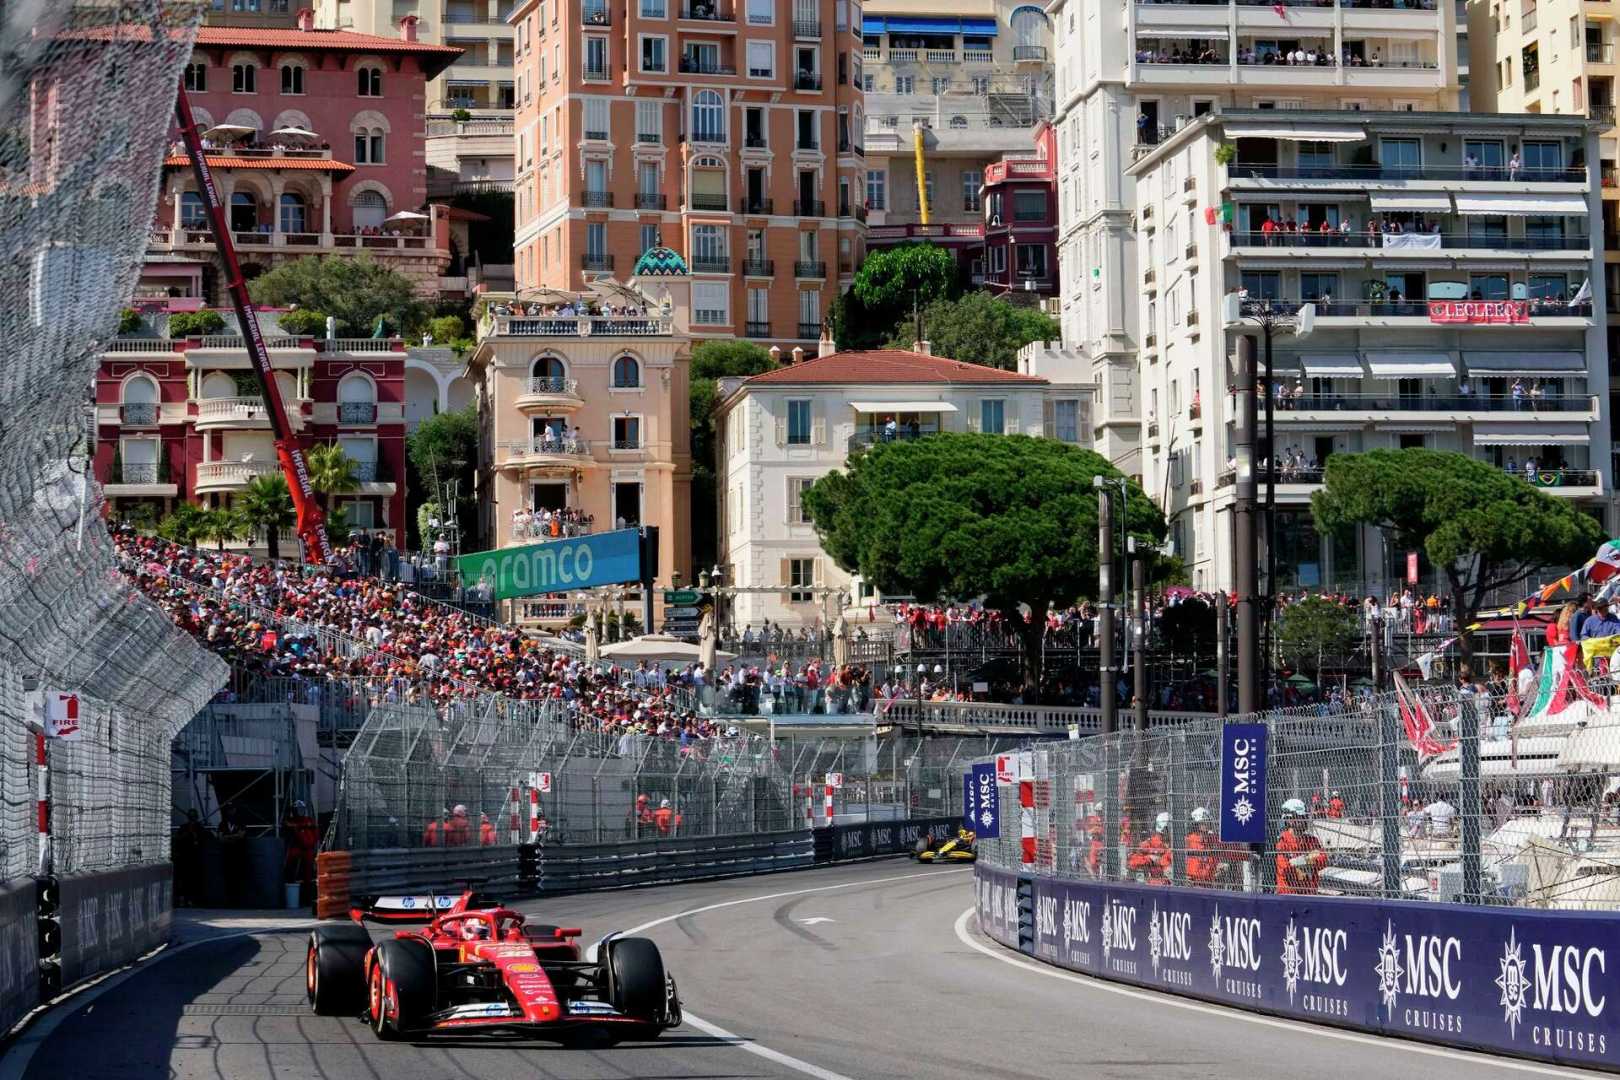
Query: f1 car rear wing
419	907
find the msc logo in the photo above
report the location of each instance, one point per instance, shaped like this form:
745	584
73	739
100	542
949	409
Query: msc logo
1233	942
1168	934
1046	917
882	836
1423	969
1118	928
1314	954
1076	922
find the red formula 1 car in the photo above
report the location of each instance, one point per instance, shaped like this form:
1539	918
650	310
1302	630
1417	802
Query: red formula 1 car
479	965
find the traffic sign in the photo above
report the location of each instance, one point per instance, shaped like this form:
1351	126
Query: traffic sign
685	613
684	597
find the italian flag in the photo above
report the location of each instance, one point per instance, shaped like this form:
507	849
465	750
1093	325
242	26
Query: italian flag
1559	683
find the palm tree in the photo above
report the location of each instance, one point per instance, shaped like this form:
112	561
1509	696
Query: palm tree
184	524
223	525
266	504
331	472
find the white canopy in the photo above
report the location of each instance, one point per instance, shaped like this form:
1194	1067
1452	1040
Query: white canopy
902	406
1394	365
408	215
1332	365
227	131
1525	363
1434	202
1544	434
1295	132
1210	33
295	132
658	647
1518	203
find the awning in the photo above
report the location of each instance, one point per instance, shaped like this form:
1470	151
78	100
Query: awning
921	24
1202	33
1392	365
1437	202
1525	363
1530	434
1517	203
1293	132
1333	366
902	406
979	27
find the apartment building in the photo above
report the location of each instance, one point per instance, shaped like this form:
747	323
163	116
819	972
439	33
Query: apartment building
729	132
1557	58
480	78
182	419
1021	220
270	13
590	414
780	432
1124	84
1470	320
946	97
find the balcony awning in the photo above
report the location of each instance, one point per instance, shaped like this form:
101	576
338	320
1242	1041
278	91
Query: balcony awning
1517	203
1332	366
1432	202
1294	132
1543	434
902	406
1525	363
1202	33
927	24
1393	365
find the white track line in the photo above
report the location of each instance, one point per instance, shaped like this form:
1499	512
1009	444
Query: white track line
763	1051
998	952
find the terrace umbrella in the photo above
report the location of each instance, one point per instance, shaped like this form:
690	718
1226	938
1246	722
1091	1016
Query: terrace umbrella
227	132
407	215
295	132
545	294
618	291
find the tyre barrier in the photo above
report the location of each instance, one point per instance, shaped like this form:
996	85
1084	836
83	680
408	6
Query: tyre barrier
343	878
874	839
1516	981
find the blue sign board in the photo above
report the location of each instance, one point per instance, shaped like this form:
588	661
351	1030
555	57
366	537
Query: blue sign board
981	802
580	562
1505	980
1243	783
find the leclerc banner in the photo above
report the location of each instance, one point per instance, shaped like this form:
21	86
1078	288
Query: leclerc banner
981	802
580	562
1516	981
1479	311
1243	783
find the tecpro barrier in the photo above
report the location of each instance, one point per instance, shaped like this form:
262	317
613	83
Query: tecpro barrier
1536	984
19	954
110	919
873	839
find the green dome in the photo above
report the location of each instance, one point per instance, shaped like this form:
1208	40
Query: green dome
660	262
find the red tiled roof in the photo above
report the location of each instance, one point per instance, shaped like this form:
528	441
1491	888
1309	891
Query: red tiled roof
435	58
222	161
886	366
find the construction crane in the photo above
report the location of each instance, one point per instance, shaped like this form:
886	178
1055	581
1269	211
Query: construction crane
922	172
311	524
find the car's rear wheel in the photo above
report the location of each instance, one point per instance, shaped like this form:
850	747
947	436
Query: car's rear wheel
636	985
401	988
334	969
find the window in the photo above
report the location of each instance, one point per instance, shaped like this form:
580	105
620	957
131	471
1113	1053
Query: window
905	84
368	146
626	373
655	9
596	119
292	213
797	486
370	81
1543	157
358	513
649	122
193	211
292	79
649	237
938	84
1031	260
711	303
627	504
992	417
809	311
197	78
877	189
1029	206
595	240
1066	421
972	180
369	209
596	57
647	179
708	244
244	78
653	55
806	119
759	310
801	580
1403	156
761	12
627	433
708	117
798	423
761	59
869	83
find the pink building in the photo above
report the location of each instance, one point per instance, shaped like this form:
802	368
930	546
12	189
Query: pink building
317	140
1021	219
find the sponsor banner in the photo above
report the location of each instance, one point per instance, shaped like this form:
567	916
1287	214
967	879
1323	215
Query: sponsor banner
110	919
876	838
580	562
981	802
19	953
1517	981
1243	783
1479	311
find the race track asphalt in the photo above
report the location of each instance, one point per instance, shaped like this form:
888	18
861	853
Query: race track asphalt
862	972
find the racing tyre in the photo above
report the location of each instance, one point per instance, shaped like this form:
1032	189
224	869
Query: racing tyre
334	969
636	984
400	988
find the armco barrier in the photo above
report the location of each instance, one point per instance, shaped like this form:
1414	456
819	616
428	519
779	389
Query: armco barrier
109	919
871	839
1507	980
19	954
580	867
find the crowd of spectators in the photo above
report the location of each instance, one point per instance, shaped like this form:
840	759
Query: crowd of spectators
547	524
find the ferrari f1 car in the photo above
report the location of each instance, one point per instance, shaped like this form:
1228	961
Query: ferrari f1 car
478	965
958	848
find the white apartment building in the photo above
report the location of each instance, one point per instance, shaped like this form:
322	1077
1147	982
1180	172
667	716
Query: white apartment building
1473	329
781	431
1127	79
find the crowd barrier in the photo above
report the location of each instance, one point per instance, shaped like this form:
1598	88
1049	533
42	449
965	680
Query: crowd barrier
579	868
19	953
1528	983
111	918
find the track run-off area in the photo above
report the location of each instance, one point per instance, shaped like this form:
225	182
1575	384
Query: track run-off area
862	972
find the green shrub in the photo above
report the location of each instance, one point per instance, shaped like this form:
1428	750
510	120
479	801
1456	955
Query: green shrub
304	322
130	321
195	323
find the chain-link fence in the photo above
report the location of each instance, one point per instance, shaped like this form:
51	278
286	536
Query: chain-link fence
1431	793
86	97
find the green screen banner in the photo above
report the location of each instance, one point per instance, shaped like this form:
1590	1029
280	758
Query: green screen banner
579	562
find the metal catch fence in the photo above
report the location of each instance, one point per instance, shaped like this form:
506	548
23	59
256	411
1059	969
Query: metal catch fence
1431	793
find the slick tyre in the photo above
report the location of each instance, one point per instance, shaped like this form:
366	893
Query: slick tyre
636	985
334	970
400	988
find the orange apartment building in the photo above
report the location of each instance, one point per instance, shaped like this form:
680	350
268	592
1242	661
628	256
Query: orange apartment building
728	130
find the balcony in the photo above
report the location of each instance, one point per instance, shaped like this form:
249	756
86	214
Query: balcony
711	264
649	201
701	11
231	475
700	201
139	414
809	145
136	473
549	392
809	269
649	138
1412	309
1598	52
1029	54
692	65
754	142
1409	243
757	329
1601	114
598	262
575	326
861	440
595	74
759	267
807	28
939	56
1347	406
596	14
807	80
243	413
759	206
809	208
549	450
596	199
1195	488
357	412
626	442
810	331
1242	170
978	56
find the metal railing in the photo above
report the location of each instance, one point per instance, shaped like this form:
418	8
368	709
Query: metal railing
646	200
812	268
357	412
1409	309
590	261
553	385
757	328
596	199
139	413
1241	170
138	472
809	208
701	201
1449	401
1475	240
711	264
543	446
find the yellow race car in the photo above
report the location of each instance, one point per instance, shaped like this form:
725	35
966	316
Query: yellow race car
956	849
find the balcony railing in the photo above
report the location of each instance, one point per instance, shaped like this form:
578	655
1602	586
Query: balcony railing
233	472
598	199
589	261
861	440
595	74
699	201
1153	429
357	412
1602	114
554	384
711	264
372	472
1264	171
807	80
1436	402
809	208
707	12
649	201
1406	309
1557	478
754	142
692	65
759	267
806	28
1599	52
581	326
1195	488
759	206
803	143
139	413
1413	241
810	330
232	410
596	15
631	442
137	472
1029	52
651	138
1289	474
809	269
757	329
548	444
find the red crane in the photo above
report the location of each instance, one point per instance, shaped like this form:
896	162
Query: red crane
311	524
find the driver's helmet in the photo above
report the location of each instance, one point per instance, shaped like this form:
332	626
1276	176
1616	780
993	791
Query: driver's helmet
474	930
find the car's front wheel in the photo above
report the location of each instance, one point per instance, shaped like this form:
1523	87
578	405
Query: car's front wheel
637	986
400	988
334	969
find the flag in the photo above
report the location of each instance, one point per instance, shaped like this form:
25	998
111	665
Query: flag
1583	295
1518	660
1419	725
1605	564
1281	10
